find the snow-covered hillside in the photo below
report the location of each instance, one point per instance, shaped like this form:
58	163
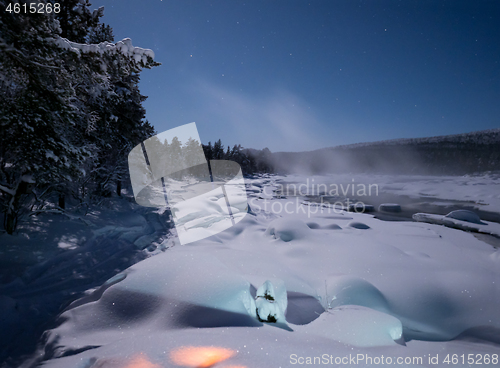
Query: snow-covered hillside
458	154
489	136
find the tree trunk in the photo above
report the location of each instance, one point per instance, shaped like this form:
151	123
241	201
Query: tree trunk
23	187
119	188
62	201
10	222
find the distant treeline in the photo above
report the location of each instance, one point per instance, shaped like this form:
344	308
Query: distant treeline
251	161
175	156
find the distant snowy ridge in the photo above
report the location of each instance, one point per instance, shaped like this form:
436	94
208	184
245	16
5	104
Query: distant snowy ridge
489	136
124	47
457	154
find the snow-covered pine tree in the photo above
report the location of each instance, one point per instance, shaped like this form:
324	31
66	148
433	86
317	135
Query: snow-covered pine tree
218	150
116	106
101	33
208	151
70	111
190	151
76	20
39	140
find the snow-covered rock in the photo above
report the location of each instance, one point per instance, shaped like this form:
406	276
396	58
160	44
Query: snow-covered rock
465	215
271	305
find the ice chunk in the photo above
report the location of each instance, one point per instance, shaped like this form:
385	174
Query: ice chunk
465	215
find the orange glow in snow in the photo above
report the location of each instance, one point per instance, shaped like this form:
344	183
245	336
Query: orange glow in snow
139	361
200	357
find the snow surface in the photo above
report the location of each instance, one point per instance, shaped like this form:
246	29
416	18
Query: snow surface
338	284
59	256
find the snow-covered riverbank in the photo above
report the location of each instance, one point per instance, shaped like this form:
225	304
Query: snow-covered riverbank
343	283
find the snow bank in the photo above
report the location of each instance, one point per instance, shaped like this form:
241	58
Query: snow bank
339	292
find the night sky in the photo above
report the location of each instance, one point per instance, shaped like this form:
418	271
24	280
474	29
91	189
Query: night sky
295	75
